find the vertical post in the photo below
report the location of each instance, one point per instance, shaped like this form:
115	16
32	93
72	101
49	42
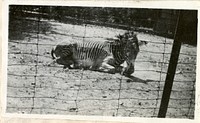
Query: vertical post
172	67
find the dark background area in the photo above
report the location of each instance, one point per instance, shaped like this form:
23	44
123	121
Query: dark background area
161	22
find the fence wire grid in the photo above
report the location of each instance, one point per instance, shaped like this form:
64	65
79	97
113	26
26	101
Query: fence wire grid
34	87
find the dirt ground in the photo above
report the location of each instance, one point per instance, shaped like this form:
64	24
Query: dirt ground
33	87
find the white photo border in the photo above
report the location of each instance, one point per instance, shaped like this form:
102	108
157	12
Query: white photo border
193	5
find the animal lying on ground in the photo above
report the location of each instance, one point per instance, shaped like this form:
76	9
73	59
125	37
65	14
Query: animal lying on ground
105	55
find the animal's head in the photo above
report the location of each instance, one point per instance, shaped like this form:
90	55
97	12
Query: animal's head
129	41
130	44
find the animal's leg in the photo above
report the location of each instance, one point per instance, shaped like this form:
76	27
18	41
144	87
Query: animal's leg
129	69
97	63
117	67
105	67
108	65
65	62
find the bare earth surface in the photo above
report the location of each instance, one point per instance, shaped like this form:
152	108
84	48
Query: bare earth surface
35	88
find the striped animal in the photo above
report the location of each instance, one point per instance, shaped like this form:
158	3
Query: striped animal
97	55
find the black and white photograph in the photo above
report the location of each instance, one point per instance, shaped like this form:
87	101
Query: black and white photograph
101	61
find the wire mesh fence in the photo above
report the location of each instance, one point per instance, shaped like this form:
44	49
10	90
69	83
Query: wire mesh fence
34	87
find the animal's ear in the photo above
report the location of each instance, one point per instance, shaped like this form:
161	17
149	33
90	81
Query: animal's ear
133	37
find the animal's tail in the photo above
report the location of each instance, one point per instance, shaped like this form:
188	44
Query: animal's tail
52	53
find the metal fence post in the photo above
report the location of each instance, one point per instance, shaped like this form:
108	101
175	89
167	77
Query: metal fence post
172	68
